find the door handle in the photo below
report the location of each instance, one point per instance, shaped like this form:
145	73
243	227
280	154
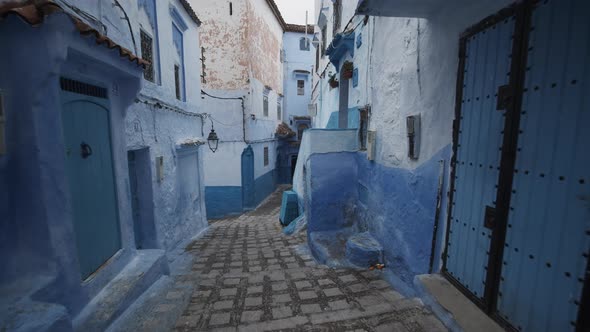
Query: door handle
85	150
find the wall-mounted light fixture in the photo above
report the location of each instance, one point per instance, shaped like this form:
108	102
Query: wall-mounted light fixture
212	139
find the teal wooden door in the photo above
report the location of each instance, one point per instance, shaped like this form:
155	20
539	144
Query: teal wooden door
248	178
89	167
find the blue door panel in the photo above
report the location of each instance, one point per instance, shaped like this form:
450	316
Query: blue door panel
91	181
487	67
546	239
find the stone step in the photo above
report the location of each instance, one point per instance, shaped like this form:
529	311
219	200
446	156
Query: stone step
363	250
141	272
157	309
455	310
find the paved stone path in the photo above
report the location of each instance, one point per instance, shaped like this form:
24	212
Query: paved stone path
251	277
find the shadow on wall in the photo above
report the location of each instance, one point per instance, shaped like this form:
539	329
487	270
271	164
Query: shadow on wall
350	194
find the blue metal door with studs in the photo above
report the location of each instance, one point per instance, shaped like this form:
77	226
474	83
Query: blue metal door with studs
477	153
518	235
89	167
547	240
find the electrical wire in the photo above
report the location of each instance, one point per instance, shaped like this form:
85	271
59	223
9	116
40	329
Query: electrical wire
162	105
86	15
117	4
237	124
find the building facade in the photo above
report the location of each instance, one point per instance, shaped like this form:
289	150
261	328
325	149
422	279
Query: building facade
298	65
242	90
100	153
432	145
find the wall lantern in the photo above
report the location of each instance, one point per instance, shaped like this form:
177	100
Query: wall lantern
212	139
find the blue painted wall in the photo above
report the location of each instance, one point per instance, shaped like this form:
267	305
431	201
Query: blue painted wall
353	119
396	205
265	185
400	210
223	201
333	191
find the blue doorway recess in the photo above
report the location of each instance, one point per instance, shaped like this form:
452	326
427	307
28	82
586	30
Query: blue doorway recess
89	170
142	201
248	198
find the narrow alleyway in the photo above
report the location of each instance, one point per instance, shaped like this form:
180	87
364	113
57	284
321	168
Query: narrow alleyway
252	277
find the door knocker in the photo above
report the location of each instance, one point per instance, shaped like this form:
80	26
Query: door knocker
85	150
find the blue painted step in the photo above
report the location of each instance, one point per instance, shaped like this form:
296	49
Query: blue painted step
139	274
363	250
289	208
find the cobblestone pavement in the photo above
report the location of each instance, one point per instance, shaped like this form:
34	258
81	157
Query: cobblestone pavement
251	277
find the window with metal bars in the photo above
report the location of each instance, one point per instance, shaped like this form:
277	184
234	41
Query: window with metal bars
337	16
304	44
300	87
265	105
279	110
266	156
324	39
82	88
177	81
147	53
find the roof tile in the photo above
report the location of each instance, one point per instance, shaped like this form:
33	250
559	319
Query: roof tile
34	12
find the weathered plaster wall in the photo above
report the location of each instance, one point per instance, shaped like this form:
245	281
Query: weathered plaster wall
225	40
264	42
163	130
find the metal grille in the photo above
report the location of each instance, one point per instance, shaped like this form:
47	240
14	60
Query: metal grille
265	156
82	88
147	49
300	87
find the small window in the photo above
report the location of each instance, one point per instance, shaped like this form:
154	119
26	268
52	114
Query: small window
265	105
304	44
324	39
177	81
266	156
300	87
337	15
279	110
231	9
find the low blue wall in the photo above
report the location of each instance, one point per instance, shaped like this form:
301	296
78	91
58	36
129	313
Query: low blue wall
223	201
333	191
396	205
265	185
400	210
353	119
